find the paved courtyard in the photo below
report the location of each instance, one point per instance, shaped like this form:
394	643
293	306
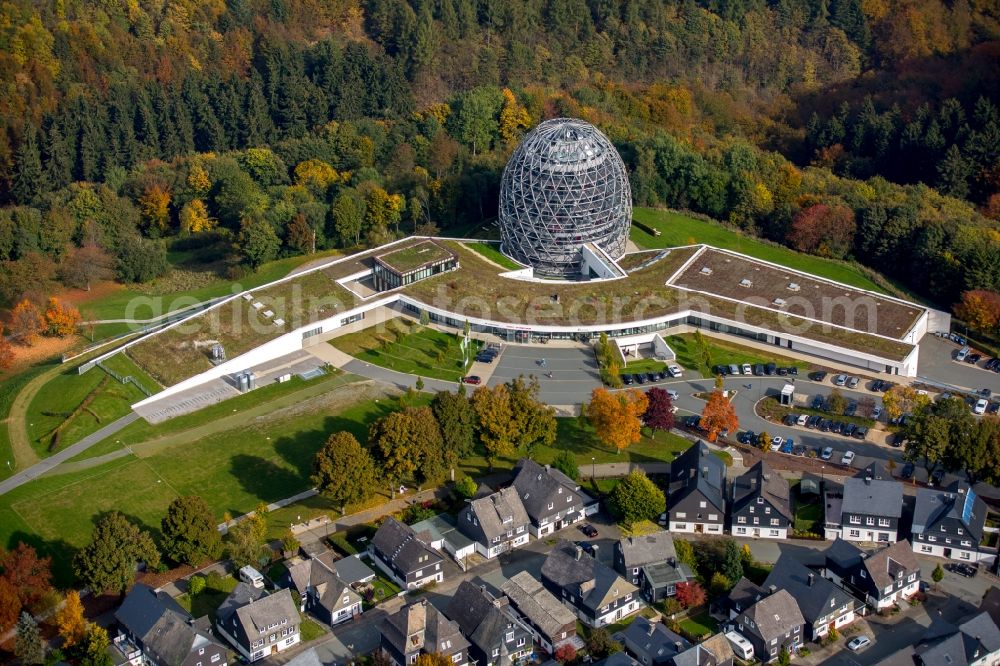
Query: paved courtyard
574	371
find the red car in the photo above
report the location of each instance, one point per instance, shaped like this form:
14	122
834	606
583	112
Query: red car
472	379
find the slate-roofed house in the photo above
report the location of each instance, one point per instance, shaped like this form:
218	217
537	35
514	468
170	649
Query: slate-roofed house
696	501
258	624
652	643
650	563
397	550
551	499
551	623
713	651
881	578
598	593
322	591
743	595
154	630
870	509
949	523
976	642
820	601
497	636
419	628
497	523
760	505
770	624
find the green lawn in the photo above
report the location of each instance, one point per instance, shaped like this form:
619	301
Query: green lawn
808	511
384	588
771	409
206	602
722	352
677	229
492	252
310	630
643	365
126	367
78	405
700	625
406	347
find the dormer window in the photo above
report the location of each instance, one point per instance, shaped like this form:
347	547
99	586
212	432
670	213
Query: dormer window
551	505
760	500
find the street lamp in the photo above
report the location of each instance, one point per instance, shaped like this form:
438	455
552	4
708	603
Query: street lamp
593	467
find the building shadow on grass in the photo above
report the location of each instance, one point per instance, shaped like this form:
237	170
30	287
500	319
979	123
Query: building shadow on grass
60	551
264	479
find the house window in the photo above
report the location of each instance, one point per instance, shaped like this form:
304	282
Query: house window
201	651
854	520
965	555
551	505
457	657
216	657
883	522
510	636
774	521
767	510
932	538
925	549
959	531
741	519
520	642
966	543
681	514
760	500
702	505
713	516
912	577
635	571
855	533
520	529
628	596
775	532
496	652
681	526
869	521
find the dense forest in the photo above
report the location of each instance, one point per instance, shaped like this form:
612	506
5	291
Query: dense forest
260	128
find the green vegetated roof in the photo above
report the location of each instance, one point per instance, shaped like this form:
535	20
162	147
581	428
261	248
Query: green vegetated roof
413	257
472	291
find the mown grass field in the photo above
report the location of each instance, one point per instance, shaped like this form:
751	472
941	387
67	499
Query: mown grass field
492	252
677	229
9	388
409	348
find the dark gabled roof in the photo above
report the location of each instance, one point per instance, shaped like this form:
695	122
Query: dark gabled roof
762	481
168	635
653	642
540	486
698	470
638	551
569	568
422	616
843	555
812	592
875	470
775	614
537	604
254	611
991	604
974	639
934	505
884	565
712	651
616	659
352	570
873	497
499	512
479	617
400	544
745	594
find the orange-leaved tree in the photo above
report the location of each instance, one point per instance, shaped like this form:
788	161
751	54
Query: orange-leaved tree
61	320
6	351
617	417
980	309
26	322
70	621
718	415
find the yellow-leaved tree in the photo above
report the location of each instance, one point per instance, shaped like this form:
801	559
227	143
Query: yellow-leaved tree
617	417
70	621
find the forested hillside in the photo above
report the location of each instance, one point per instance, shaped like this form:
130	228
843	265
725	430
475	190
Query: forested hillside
253	129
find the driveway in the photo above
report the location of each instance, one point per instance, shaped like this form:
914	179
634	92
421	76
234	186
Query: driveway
573	369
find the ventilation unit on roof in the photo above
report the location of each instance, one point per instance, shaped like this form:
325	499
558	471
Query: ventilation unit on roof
746	283
705	270
794	286
780	302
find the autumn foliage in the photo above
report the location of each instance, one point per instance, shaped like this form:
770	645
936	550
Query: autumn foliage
824	230
617	416
25	322
690	594
6	350
70	621
980	309
659	415
61	320
718	415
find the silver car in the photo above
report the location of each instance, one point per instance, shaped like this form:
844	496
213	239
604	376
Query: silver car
840	380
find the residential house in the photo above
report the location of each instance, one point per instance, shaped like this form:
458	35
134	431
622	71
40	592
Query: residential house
651	643
153	629
743	595
821	603
417	629
975	642
322	591
870	507
760	506
551	623
949	523
256	623
713	651
881	578
397	550
439	532
551	499
650	563
770	624
497	523
497	636
599	595
696	499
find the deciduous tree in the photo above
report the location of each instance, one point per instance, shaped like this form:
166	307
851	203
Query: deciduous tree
108	561
155	206
6	350
691	594
70	621
600	644
659	414
93	649
492	406
565	653
82	266
434	659
824	230
28	574
10	606
533	422
900	400
617	417
190	535
636	498
980	309
194	217
718	415
344	471
410	442
246	541
257	242
565	462
457	419
26	322
61	320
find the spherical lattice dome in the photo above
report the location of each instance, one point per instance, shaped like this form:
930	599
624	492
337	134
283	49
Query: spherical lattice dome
564	186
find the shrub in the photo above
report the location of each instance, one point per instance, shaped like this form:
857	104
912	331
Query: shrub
197	585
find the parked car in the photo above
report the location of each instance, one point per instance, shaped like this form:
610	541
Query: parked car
840	380
800	450
836	427
589	530
937	476
720	370
650	377
962	353
877	413
813	421
827	453
817	376
769	369
973	358
782	371
907	472
758	370
661	375
849	429
877	385
847	458
475	380
993	408
672	394
985	392
962	569
790	419
793	371
980	407
485	358
858	643
825	425
787	446
776	443
851	409
734	369
675	370
852	382
818	402
747	370
639	378
627	380
748	437
802	420
861	432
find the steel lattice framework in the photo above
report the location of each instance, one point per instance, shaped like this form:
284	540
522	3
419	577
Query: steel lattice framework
564	186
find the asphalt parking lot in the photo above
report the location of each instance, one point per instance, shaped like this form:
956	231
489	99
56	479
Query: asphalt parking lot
936	362
573	369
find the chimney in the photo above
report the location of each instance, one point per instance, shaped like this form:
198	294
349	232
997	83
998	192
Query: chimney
579	553
652	628
811	577
704	471
593	548
672	561
772	589
678	646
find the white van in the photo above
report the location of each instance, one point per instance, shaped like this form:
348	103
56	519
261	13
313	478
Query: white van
252	577
742	648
